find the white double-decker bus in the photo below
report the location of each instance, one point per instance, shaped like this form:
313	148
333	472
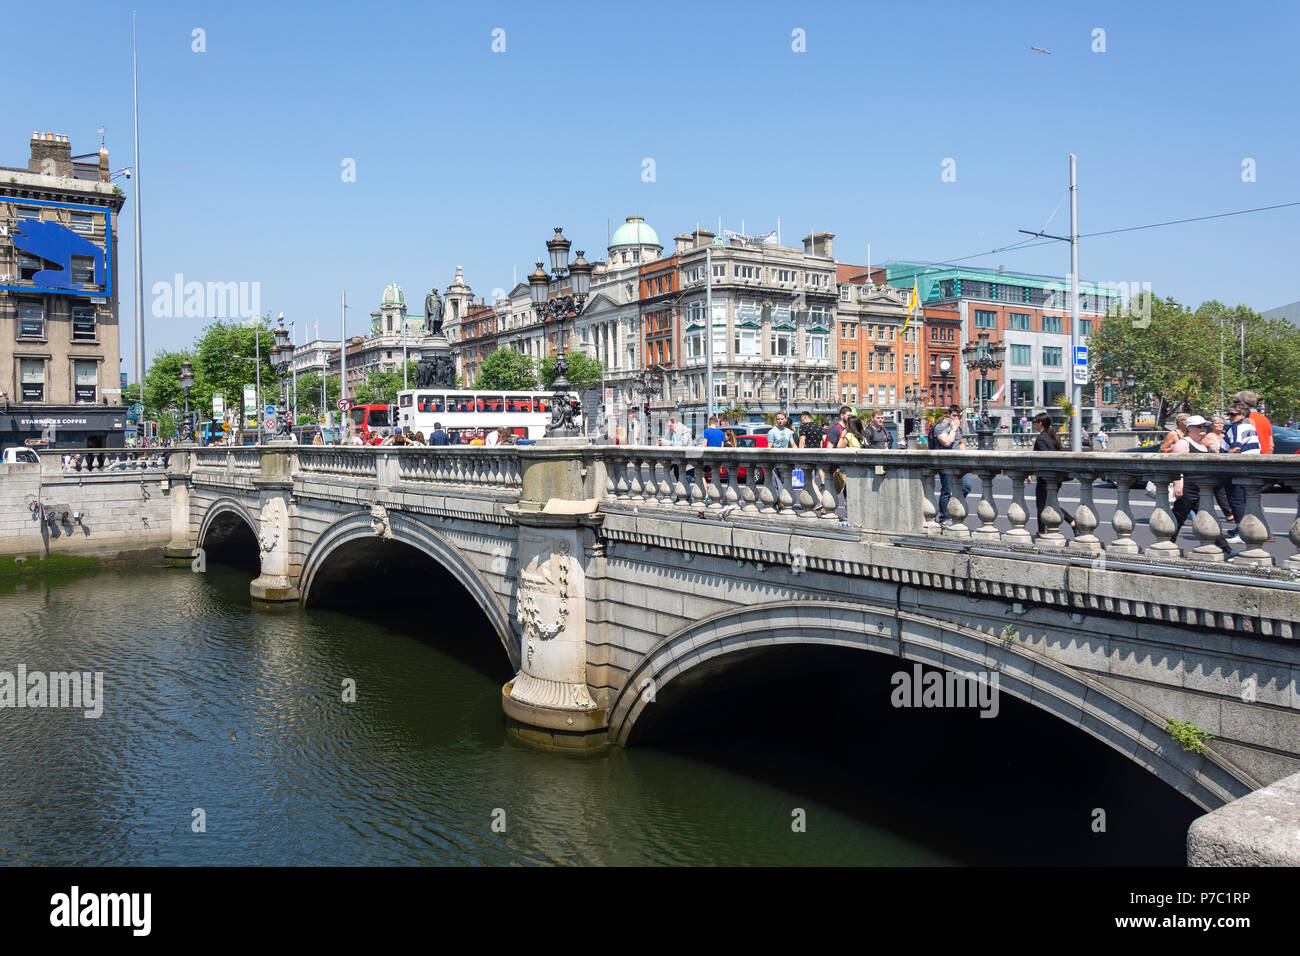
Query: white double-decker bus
466	414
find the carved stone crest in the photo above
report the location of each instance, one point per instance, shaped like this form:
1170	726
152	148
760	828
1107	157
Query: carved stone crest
379	523
544	593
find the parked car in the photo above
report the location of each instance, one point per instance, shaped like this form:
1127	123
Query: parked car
1286	441
742	474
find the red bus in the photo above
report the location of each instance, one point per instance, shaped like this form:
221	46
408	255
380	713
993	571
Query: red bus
372	422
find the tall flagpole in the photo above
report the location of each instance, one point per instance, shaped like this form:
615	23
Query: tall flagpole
139	270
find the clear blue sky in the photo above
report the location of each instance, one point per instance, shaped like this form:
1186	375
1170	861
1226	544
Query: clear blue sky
465	156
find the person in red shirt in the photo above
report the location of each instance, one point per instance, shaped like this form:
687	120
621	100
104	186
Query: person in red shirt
1263	427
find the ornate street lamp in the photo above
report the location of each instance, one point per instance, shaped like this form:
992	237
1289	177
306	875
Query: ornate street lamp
986	357
281	356
187	382
945	373
562	307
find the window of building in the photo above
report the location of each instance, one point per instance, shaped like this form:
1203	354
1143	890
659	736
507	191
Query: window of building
817	388
83	325
853	361
720	387
85	378
934	335
1109	395
871	361
1022	392
1051	392
83	270
1021	355
719	340
636	255
1052	323
695	343
28	266
720	271
747	385
31	320
1052	356
844	361
782	344
785	275
82	222
985	319
32	373
747	272
1018	321
853	395
1085	327
747	342
892	363
846	293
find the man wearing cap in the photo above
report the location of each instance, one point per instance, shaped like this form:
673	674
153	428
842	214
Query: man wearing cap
1187	494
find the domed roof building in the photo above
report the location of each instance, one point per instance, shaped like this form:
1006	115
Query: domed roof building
393	295
634	242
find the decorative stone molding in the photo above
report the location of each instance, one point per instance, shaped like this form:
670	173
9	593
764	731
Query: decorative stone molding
379	521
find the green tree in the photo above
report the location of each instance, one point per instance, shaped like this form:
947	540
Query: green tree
310	410
584	371
225	361
507	370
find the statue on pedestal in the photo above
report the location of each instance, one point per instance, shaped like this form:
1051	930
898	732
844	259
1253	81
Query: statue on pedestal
433	308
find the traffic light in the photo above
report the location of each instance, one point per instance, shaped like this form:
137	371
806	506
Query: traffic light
645	408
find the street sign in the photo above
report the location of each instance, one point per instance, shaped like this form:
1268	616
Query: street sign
344	405
218	406
1081	355
270	411
250	406
1081	365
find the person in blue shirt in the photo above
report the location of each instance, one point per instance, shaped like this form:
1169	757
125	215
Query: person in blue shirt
713	436
439	437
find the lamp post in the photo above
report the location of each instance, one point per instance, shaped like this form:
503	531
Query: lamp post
563	307
187	382
281	357
986	357
648	384
945	373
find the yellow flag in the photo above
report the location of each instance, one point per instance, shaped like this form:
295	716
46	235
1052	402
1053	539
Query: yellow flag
913	301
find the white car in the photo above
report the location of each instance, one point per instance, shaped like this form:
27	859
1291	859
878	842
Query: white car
21	456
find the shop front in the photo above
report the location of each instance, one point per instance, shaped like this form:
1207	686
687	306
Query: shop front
75	426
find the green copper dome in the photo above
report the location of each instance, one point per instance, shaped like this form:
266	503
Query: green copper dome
393	295
634	232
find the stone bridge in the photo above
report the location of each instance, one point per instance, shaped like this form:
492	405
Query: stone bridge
609	574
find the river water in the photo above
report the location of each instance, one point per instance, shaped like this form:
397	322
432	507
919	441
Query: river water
225	739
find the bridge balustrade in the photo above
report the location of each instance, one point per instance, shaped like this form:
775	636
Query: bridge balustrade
897	493
474	467
343	462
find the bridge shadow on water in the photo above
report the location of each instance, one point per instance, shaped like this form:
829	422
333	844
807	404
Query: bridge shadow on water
400	589
1020	788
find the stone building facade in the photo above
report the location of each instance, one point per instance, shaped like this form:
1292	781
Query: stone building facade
59	344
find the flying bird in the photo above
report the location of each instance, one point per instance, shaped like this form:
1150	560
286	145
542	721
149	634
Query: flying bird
1039	49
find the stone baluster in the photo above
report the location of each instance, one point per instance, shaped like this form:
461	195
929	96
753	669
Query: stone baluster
634	491
748	493
956	506
713	483
663	486
622	490
1050	518
763	492
667	482
1122	520
1162	523
809	501
1017	513
929	503
1253	528
1085	518
733	482
987	510
684	484
825	490
1207	529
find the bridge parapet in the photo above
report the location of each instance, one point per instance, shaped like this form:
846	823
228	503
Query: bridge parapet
892	493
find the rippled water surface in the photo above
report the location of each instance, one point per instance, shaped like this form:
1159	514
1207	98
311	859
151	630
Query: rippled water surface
212	705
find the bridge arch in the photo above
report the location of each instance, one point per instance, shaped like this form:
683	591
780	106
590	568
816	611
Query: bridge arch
406	530
1122	724
225	506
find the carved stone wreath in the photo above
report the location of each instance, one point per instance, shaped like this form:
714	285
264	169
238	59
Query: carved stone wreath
544	597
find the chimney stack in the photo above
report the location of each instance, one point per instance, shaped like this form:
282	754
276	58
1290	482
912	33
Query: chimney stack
818	244
702	237
52	154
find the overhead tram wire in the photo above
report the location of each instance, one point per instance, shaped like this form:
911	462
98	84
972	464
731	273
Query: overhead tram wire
1031	243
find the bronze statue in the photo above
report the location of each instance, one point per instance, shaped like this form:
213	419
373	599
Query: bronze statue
435	371
433	308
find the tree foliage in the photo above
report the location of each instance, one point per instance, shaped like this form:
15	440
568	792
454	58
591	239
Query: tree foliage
310	411
1194	359
381	388
584	371
507	370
